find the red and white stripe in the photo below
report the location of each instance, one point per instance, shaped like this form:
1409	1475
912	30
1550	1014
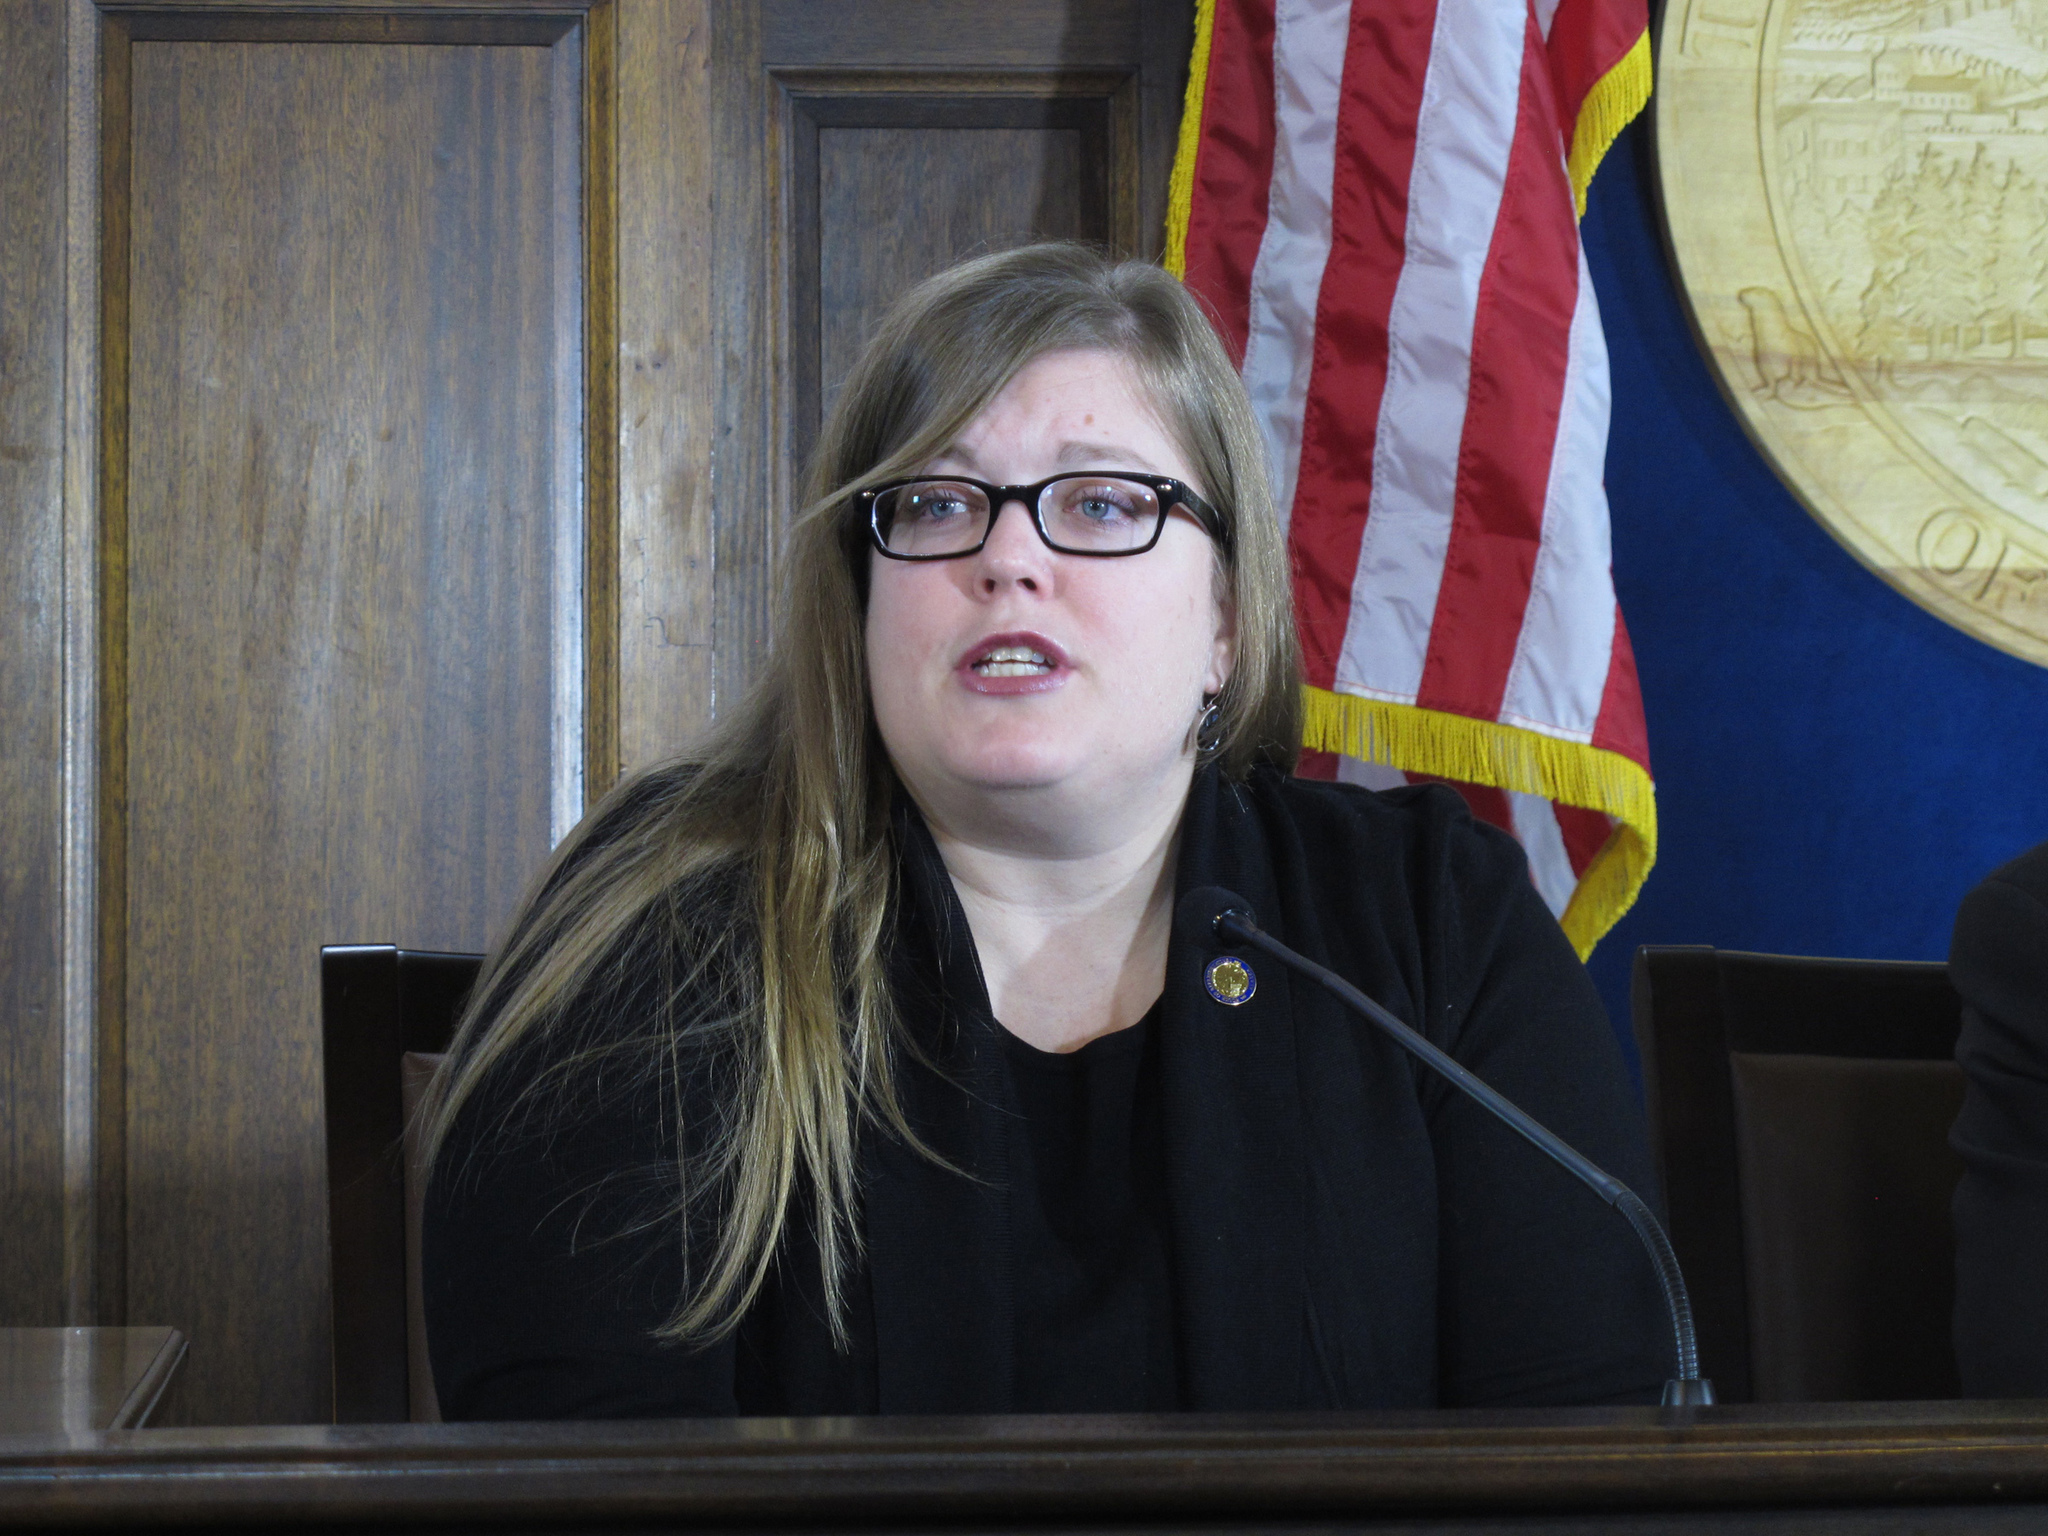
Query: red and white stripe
1295	245
1422	347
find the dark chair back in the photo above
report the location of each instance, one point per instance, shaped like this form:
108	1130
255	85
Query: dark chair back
377	1005
1800	1110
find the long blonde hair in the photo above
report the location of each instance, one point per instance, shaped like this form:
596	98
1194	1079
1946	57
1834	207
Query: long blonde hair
764	857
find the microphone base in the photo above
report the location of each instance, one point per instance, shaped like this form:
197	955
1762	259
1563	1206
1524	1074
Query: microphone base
1696	1393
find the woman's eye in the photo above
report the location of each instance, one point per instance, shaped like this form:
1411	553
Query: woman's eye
937	509
1102	504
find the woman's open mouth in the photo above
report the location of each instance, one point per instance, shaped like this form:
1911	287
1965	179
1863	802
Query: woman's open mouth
1014	661
1012	664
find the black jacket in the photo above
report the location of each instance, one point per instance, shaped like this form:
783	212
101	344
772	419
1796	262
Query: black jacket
1346	1231
1999	963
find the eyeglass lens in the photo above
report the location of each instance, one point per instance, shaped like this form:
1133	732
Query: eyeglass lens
1082	515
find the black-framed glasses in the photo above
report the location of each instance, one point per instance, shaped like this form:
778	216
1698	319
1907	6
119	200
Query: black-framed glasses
947	517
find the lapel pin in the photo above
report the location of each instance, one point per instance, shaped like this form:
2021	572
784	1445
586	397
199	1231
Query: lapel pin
1230	981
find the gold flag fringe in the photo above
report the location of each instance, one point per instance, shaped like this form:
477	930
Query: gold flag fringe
1617	97
1180	187
1507	757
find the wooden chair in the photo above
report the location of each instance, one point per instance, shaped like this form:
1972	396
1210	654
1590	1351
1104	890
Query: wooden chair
385	1014
1800	1111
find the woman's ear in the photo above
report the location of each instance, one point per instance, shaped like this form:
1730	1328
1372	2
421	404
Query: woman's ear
1223	653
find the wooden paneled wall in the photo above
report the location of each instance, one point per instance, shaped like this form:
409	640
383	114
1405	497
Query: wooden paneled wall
32	500
400	406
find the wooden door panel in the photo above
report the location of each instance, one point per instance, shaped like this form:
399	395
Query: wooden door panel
891	185
32	276
897	204
346	663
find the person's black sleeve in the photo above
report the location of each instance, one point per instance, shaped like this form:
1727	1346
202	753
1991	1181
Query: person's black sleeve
1999	964
1547	1296
551	1254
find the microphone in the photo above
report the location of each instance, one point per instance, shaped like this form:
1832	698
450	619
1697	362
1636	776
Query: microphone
1211	910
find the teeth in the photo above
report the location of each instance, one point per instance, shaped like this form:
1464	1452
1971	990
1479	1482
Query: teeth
1013	661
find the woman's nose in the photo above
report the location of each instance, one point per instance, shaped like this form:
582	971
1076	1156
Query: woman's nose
1014	551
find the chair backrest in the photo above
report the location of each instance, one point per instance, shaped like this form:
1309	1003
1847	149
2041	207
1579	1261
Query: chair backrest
377	1004
1800	1110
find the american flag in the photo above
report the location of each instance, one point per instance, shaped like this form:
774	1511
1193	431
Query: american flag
1380	202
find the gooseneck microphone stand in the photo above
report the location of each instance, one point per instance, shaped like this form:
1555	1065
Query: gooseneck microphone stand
1228	915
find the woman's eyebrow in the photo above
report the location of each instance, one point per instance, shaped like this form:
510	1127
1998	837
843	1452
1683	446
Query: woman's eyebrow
957	457
1076	452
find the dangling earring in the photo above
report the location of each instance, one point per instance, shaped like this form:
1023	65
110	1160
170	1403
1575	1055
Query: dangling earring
1209	728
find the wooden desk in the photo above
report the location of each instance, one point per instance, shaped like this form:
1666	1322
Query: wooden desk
1859	1467
58	1379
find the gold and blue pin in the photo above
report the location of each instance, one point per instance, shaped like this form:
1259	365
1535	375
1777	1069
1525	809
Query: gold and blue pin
1230	981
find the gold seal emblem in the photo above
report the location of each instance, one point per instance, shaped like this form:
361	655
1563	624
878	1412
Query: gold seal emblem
1858	199
1231	981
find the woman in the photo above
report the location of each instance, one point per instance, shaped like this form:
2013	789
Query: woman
853	1065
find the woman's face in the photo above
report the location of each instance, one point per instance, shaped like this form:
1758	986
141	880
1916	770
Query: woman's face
1107	659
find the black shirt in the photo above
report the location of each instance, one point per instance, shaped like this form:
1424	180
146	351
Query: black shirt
1342	1230
1088	1227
